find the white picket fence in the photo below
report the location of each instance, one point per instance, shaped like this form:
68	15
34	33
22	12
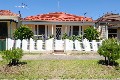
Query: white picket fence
51	45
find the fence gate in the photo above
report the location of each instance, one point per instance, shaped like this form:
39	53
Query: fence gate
58	45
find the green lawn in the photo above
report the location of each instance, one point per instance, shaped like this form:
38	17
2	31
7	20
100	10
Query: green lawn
59	69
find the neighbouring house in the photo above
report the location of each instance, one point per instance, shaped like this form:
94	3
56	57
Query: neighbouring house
57	23
9	21
109	26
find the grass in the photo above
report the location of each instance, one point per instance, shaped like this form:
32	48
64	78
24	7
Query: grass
84	53
59	69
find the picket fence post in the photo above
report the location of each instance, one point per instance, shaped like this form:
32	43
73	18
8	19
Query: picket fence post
94	45
68	45
49	45
77	45
24	45
86	45
18	42
39	45
31	45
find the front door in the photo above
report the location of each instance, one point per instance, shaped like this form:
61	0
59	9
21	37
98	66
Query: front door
58	41
58	32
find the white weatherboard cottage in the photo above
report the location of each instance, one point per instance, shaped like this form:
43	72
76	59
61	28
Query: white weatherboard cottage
57	23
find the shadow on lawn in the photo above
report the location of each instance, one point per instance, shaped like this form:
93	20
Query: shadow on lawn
113	63
17	64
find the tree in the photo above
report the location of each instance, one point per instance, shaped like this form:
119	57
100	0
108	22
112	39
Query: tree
23	32
91	34
110	49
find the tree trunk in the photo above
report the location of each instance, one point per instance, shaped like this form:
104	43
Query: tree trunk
21	44
14	46
13	62
105	60
108	62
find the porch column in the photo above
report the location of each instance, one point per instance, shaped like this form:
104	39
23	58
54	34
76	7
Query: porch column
46	31
71	30
52	29
66	29
79	30
106	27
16	25
94	25
10	29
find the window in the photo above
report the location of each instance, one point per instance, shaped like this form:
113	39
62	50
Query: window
3	29
112	30
75	30
112	33
40	30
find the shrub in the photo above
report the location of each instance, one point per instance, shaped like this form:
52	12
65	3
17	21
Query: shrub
65	36
73	37
110	49
23	32
12	56
51	36
79	37
91	34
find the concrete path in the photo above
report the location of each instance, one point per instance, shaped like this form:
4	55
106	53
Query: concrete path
59	57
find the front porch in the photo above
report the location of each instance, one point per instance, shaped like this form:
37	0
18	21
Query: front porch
44	30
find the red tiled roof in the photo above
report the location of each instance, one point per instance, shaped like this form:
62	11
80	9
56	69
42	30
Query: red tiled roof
7	13
57	16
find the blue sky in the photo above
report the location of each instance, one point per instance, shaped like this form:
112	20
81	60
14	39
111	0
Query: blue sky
94	8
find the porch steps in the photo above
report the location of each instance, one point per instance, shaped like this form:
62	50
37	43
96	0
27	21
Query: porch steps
59	52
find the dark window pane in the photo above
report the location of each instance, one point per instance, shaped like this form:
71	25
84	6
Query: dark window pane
35	29
3	29
112	35
112	30
76	30
41	29
58	25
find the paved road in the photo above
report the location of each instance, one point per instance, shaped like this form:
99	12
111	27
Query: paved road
59	57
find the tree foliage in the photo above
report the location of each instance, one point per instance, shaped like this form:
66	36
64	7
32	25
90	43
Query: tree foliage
23	32
12	56
110	49
91	34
